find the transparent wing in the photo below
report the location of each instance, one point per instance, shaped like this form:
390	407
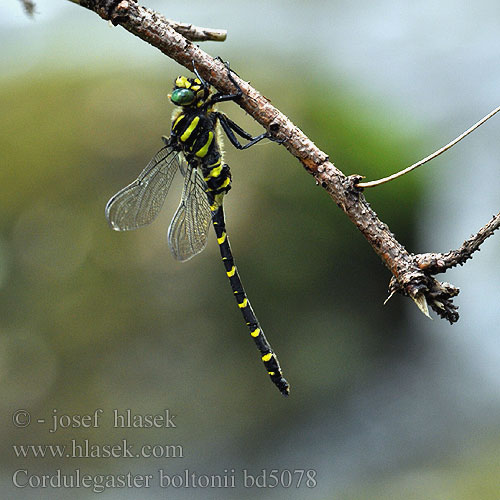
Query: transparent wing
188	231
140	202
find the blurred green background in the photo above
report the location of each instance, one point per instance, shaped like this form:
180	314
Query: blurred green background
384	403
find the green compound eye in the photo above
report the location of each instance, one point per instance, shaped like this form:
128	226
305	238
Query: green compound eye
182	97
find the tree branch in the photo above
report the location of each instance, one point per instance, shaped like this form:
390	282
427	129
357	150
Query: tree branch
411	275
112	10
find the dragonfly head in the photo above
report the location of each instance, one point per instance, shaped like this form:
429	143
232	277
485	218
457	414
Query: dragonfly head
189	92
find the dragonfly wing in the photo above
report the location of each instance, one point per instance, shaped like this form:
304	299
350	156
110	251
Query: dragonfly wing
140	202
188	231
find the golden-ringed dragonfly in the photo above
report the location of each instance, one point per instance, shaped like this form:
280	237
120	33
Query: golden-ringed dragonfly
194	149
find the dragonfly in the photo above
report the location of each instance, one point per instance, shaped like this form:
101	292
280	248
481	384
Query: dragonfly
194	149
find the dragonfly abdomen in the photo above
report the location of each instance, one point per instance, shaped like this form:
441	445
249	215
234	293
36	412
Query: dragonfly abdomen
268	356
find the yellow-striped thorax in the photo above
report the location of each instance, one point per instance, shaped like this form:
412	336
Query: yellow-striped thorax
195	132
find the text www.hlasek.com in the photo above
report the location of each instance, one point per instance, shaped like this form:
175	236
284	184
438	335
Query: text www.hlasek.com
86	449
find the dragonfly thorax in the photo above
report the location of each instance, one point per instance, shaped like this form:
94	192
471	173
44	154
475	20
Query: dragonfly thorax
194	134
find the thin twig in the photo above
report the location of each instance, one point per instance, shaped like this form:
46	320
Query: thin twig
197	33
440	262
431	156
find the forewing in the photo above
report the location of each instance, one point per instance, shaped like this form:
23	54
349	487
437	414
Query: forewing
140	202
188	231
